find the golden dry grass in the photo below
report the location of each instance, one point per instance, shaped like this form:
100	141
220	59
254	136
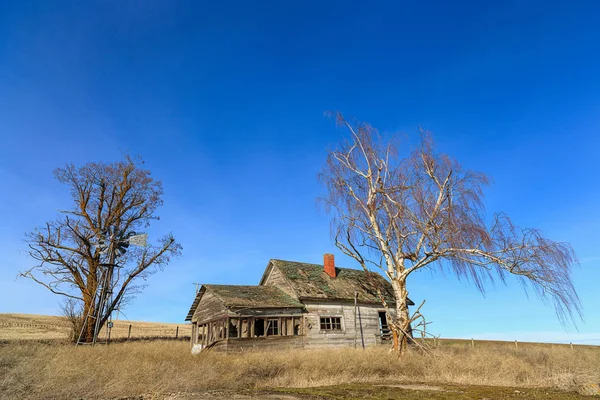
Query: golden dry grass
29	326
36	370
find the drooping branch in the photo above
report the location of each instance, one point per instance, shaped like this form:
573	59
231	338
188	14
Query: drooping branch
421	209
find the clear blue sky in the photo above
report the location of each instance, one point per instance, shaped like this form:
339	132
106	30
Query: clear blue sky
225	102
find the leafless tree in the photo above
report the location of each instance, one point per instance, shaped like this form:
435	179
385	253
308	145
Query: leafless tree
423	210
121	197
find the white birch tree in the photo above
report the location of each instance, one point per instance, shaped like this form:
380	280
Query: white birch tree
423	210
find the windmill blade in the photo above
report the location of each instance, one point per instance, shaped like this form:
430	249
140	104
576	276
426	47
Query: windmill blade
139	240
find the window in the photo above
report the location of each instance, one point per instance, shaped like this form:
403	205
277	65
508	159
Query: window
273	327
331	323
233	328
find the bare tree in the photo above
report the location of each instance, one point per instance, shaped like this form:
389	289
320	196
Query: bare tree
423	210
121	197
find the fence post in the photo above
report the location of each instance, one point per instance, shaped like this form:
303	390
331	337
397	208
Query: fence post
571	343
129	332
177	332
472	343
516	345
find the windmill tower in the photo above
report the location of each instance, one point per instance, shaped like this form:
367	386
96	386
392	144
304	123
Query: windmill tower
114	244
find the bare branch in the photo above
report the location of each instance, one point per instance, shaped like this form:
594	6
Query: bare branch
405	212
122	197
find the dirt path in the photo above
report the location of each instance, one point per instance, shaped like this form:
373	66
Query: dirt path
381	392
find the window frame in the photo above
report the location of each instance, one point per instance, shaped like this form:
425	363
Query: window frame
272	326
335	323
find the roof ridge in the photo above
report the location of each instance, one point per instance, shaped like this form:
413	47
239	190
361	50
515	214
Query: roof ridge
316	265
310	281
221	284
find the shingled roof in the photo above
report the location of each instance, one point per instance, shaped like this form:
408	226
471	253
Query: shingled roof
253	296
309	281
239	296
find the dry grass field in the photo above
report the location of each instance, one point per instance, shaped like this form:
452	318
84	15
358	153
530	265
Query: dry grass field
166	369
28	326
33	367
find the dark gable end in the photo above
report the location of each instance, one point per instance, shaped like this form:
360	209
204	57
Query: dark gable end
309	281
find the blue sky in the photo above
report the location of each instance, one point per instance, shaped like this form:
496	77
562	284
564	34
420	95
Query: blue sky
225	102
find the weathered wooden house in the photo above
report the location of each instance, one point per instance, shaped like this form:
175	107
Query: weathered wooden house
295	305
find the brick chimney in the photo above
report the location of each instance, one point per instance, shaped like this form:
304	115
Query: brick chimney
329	265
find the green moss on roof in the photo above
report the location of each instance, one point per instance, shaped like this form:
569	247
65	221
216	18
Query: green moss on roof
253	296
311	281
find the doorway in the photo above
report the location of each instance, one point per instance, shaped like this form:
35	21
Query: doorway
384	329
259	327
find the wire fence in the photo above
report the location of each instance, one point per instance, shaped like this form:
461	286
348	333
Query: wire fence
473	343
123	330
55	328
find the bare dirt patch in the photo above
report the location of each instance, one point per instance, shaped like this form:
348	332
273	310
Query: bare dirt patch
416	387
215	396
447	392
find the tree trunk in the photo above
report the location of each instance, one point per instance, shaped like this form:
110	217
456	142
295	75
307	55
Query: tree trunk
401	328
404	322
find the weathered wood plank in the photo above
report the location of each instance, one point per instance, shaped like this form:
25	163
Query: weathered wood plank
209	308
369	318
276	278
274	312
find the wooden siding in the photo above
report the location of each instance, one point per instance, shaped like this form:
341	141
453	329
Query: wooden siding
209	308
313	336
276	278
369	319
212	310
278	342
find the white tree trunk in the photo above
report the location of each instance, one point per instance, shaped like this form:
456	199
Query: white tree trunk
401	326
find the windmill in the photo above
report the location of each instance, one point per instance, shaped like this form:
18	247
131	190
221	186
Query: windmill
114	244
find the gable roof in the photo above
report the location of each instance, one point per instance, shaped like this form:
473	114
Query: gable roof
309	281
239	296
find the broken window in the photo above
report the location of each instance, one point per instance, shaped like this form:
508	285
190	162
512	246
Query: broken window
331	323
233	328
272	327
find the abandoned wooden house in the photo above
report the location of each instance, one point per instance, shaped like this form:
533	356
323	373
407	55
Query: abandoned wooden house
295	305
